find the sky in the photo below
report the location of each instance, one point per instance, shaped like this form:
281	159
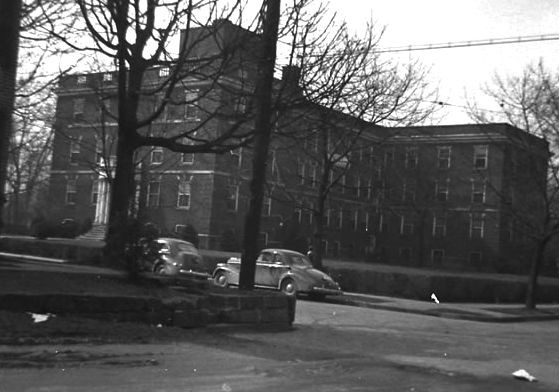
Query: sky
460	72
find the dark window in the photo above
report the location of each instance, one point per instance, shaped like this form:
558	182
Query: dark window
437	256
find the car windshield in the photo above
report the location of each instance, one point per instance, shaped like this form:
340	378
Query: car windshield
299	261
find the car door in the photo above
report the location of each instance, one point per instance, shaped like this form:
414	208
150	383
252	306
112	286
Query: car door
264	267
278	268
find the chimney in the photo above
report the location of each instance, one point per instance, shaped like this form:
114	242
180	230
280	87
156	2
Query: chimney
290	76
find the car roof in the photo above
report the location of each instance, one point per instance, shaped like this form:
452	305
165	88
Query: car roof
287	251
171	239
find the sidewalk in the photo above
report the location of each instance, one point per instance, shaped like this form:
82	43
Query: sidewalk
109	285
499	313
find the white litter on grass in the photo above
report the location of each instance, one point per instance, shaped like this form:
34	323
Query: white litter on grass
434	298
39	318
522	374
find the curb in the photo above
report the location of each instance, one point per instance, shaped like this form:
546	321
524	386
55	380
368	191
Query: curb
457	314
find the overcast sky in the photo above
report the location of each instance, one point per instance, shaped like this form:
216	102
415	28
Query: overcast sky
462	70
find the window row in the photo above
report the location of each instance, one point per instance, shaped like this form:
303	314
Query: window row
437	226
438	256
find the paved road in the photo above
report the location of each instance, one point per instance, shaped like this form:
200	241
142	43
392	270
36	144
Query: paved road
331	348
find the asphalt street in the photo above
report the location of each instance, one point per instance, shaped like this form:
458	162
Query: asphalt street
330	348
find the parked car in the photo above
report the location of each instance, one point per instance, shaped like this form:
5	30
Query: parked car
280	269
178	257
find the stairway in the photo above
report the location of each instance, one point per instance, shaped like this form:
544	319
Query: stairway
97	233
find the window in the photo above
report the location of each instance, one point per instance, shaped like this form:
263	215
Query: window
437	256
82	80
107	77
267	206
477	225
241	105
237	156
388	156
180	229
480	157
355	220
153	193
184	192
358	187
191	106
310	212
299	214
78	108
327	217
478	192
301	171
384	190
382	224
313	176
71	190
340	218
274	164
75	148
370	189
405	254
441	190
163	72
406	225
233	196
475	259
99	149
439	226
187	158
311	143
156	156
443	157
411	158
408	193
94	192
371	155
105	108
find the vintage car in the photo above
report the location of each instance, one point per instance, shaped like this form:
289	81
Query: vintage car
280	269
178	257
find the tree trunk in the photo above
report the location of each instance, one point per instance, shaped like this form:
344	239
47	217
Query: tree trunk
263	127
531	290
10	14
318	236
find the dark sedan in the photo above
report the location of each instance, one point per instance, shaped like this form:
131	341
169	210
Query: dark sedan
178	257
280	269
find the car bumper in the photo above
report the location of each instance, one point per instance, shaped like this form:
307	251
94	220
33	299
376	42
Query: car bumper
325	291
194	274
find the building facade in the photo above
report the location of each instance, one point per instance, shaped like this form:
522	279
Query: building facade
441	196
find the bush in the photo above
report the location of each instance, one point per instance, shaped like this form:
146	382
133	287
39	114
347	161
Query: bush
66	228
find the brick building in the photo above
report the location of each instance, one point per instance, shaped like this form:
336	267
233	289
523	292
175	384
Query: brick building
445	196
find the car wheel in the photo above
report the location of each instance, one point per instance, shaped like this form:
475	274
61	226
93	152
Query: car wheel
289	287
220	279
159	269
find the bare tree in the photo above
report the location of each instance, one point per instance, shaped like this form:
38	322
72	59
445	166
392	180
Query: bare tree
136	35
10	16
530	101
263	127
337	90
30	143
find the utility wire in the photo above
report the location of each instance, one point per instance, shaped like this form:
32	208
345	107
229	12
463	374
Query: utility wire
463	44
